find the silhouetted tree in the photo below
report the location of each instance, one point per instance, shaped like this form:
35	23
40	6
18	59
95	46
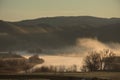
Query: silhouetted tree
107	57
98	60
92	61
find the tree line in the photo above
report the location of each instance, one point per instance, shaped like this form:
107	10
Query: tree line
105	60
58	68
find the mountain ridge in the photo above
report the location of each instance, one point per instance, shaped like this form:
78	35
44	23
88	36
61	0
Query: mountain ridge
56	32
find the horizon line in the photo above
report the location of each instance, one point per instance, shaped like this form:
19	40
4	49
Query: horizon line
27	19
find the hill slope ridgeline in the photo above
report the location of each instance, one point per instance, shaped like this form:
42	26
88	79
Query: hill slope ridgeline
54	32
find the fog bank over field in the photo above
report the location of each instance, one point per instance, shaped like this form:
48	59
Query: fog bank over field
85	45
89	44
74	55
82	47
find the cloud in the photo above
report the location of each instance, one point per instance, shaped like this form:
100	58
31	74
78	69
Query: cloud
85	45
95	45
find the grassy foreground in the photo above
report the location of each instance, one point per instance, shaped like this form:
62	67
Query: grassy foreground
102	75
65	76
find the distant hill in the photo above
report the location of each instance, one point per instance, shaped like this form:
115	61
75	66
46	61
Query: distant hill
9	28
56	32
10	56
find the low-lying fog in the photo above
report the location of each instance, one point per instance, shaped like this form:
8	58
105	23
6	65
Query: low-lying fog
74	55
61	61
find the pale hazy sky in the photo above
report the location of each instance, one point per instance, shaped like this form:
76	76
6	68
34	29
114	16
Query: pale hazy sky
14	10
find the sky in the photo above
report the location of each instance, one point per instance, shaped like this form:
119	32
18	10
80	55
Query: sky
15	10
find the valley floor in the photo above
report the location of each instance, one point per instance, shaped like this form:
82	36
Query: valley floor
65	76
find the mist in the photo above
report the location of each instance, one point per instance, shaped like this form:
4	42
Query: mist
74	55
89	44
85	45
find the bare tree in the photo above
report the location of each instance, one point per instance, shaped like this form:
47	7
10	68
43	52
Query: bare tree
92	61
106	59
98	60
